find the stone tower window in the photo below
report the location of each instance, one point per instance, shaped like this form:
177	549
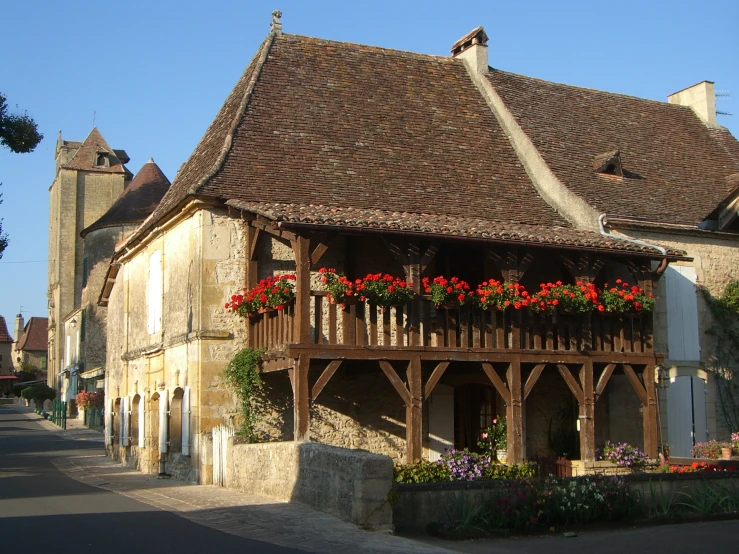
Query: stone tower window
102	159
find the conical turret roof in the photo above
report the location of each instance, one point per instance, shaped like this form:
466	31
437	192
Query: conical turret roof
137	201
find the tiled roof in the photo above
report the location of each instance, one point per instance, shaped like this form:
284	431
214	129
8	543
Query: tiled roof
137	201
4	335
317	130
676	166
452	226
35	335
85	157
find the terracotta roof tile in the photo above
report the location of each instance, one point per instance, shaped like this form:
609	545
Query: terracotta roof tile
678	166
137	201
35	335
453	226
4	335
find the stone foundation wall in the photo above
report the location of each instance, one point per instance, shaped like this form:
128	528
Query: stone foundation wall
415	506
347	484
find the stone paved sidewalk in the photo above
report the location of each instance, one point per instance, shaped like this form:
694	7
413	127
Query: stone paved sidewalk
282	523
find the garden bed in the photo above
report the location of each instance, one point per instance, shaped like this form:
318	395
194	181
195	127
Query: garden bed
475	508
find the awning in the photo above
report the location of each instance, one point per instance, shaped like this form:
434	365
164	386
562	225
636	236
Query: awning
92	373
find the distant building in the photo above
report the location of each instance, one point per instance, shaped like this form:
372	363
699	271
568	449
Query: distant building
30	347
6	364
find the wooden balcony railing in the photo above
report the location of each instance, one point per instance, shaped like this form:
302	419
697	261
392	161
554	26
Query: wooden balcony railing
465	327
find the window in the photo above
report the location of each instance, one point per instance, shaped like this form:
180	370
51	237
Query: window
154	297
102	159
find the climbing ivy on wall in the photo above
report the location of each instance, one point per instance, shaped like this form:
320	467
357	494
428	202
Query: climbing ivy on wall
242	374
724	360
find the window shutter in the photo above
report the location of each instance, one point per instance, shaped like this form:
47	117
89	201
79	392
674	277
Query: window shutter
186	422
108	421
682	314
163	423
142	427
126	420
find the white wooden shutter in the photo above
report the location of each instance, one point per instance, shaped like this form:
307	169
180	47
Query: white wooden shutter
108	421
682	314
186	422
163	427
125	420
142	427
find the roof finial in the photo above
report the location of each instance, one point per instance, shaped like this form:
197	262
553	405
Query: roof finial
276	25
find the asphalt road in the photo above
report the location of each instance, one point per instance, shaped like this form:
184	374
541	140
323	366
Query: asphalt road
43	510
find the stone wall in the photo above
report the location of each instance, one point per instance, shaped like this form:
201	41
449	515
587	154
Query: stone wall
417	505
348	484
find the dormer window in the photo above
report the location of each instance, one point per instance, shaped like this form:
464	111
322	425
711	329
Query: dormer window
609	163
102	159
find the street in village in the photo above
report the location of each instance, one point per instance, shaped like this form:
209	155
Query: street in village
59	493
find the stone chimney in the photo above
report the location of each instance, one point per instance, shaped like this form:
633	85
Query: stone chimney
19	325
701	98
472	49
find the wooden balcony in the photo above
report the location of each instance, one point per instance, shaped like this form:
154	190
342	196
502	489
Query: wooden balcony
420	325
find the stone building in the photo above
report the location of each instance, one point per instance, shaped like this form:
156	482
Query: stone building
83	329
29	348
90	176
6	364
374	160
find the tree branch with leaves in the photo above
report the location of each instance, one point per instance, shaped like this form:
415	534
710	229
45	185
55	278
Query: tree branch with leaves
18	132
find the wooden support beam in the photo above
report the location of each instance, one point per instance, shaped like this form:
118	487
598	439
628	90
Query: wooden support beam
513	263
603	380
498	383
587	413
397	252
532	379
395	381
514	413
324	378
649	413
269	226
585	268
414	412
428	256
324	241
301	248
301	399
434	379
566	374
252	240
636	383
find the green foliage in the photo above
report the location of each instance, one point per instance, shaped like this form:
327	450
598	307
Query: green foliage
18	132
494	437
526	470
38	392
242	373
422	471
724	360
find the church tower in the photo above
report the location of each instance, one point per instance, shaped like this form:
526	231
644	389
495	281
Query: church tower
90	176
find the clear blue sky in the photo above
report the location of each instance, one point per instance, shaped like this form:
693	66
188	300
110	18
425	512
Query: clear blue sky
155	73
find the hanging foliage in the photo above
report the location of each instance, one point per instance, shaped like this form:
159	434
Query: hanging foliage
242	373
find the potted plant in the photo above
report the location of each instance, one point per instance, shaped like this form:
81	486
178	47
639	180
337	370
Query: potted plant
572	299
340	289
623	298
272	293
496	295
385	290
448	293
494	439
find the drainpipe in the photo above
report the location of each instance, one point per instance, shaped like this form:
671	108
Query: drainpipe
605	233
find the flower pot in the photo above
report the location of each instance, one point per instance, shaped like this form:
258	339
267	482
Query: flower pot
266	309
502	455
726	453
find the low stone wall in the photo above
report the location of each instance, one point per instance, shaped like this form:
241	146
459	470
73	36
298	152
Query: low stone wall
417	505
349	484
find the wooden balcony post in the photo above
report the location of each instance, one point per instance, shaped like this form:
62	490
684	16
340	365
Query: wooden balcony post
514	413
414	412
587	413
301	398
301	248
649	413
413	274
251	277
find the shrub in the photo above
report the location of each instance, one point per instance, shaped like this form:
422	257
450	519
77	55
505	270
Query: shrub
39	392
461	465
